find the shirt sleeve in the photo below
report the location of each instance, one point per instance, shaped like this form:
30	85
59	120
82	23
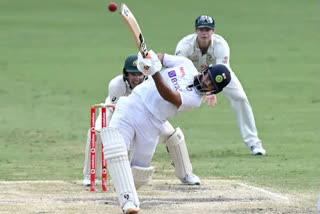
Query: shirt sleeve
117	88
190	100
222	53
182	49
170	61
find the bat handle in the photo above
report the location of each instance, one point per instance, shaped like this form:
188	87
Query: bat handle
145	54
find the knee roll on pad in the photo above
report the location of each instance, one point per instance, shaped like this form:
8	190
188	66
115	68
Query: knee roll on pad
113	151
178	152
113	143
111	136
166	131
142	175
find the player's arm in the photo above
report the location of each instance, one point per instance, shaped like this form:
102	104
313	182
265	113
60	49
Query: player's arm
166	93
182	48
222	53
164	90
116	89
151	66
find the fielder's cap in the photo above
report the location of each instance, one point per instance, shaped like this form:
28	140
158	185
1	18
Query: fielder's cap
130	65
220	76
204	21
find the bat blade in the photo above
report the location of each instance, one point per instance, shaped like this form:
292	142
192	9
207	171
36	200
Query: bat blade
134	28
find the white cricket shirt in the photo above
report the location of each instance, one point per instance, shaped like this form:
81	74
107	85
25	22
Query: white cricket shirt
117	89
217	53
179	74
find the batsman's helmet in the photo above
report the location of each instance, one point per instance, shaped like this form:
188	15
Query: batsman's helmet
204	21
219	75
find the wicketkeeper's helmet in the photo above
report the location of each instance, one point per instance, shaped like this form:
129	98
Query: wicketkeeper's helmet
130	66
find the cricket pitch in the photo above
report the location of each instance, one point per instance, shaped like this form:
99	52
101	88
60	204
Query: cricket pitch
161	196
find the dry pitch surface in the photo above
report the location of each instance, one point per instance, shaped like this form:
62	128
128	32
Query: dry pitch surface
161	196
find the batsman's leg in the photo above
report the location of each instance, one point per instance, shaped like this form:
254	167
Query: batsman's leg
141	175
177	149
115	152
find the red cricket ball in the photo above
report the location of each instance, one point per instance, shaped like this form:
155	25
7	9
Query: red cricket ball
112	6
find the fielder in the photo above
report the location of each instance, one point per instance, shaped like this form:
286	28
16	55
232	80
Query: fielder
203	48
138	119
123	85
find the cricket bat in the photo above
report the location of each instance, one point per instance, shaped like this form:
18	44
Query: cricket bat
134	28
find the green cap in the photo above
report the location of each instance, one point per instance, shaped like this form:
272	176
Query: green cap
130	65
204	21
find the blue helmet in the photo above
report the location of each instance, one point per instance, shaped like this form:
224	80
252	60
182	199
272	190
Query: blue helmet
219	75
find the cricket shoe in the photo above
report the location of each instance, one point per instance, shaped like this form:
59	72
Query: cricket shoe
191	179
86	181
130	208
257	149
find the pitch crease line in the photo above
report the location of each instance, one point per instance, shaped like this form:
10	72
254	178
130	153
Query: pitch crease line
264	191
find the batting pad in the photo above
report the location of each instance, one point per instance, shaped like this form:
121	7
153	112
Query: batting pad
115	152
178	152
141	175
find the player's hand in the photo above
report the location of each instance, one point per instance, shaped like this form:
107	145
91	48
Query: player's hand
149	65
211	99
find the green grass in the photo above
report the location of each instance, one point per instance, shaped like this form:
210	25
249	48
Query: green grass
58	57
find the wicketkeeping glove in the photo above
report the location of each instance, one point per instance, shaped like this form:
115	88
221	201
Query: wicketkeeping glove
150	65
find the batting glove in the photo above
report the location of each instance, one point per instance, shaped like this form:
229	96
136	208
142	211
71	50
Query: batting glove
149	65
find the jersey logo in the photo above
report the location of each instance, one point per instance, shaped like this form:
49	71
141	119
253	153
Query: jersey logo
189	88
172	74
182	71
114	99
126	196
178	52
210	59
225	60
134	63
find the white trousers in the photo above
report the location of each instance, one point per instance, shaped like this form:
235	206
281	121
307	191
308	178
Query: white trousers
166	131
139	128
242	109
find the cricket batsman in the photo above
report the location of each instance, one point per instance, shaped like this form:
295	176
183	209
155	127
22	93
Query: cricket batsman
120	86
138	119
